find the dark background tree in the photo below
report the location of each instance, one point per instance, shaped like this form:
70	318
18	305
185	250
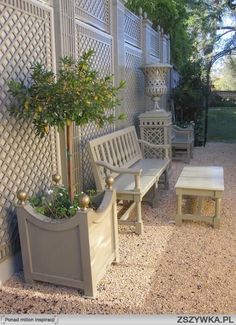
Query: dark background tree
172	16
201	32
212	24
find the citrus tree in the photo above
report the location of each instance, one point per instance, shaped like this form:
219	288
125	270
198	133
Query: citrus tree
75	94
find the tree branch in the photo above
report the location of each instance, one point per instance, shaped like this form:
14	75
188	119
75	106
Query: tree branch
222	53
220	36
231	28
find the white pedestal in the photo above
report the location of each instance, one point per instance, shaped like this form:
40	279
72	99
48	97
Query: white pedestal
155	127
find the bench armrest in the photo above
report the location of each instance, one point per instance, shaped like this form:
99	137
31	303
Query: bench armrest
132	171
186	132
152	145
178	128
166	147
183	134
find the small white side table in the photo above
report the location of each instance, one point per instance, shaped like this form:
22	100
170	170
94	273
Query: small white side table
200	182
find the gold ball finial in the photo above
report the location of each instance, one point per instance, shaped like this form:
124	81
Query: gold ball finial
84	201
56	178
22	196
109	182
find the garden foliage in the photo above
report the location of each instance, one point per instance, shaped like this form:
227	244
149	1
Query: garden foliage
76	94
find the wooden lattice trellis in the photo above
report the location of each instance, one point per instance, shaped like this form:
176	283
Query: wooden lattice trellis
132	29
89	38
96	12
134	92
25	161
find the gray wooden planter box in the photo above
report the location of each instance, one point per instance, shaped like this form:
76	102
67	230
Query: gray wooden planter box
72	252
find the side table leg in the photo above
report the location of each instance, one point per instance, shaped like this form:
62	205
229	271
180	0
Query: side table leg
216	221
178	217
199	205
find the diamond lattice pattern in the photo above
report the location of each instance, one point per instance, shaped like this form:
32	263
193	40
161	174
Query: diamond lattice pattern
102	61
25	160
134	91
153	135
154	43
99	9
132	28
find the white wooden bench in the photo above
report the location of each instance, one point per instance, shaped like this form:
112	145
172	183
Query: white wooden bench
182	143
120	155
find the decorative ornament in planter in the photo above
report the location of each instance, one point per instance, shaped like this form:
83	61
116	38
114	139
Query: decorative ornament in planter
73	252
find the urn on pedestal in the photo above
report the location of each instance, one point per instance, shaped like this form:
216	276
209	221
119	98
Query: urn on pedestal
155	75
155	123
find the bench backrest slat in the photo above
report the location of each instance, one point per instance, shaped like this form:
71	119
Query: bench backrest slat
119	149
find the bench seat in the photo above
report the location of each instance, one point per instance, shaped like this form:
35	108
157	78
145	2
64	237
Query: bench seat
152	169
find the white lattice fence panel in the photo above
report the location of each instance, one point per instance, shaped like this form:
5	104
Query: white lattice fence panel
134	92
154	43
25	161
166	54
89	38
132	29
96	12
67	28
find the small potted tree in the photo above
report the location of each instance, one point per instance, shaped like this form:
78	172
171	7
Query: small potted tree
71	251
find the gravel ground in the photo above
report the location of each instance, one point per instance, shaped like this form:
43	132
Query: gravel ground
189	269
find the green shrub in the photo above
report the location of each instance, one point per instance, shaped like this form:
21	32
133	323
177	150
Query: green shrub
56	204
189	97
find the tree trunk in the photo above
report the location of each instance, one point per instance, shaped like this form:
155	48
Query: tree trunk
69	134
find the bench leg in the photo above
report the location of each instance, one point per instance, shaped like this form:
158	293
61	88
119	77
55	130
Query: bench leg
173	151
191	150
188	153
178	217
166	176
154	196
139	222
216	221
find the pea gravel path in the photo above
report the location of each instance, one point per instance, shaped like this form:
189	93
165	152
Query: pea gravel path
189	269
